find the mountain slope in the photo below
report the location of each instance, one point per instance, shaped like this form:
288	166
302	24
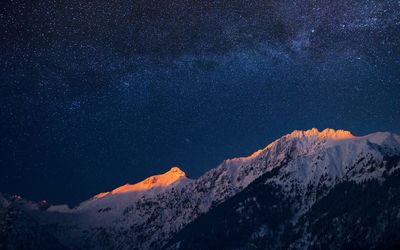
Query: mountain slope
293	172
19	231
339	194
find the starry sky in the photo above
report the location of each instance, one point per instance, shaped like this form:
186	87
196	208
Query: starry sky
98	93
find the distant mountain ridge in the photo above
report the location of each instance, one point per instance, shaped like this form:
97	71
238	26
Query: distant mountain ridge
302	167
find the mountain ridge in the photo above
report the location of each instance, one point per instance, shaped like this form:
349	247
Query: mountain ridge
304	165
162	180
313	134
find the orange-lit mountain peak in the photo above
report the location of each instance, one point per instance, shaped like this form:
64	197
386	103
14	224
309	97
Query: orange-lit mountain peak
336	134
313	132
301	133
326	133
176	171
157	181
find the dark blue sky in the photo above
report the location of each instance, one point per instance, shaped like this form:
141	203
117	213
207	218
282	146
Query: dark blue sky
95	94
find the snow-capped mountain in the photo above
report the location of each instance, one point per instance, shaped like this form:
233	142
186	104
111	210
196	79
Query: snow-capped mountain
328	190
304	165
119	197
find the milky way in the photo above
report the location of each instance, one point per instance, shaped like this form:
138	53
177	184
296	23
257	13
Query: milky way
95	94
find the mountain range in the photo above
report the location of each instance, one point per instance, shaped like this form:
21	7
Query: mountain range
307	190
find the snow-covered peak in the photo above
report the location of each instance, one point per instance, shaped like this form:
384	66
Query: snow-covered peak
337	146
156	181
305	139
128	193
327	133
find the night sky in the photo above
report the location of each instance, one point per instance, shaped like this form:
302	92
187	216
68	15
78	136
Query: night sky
98	93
